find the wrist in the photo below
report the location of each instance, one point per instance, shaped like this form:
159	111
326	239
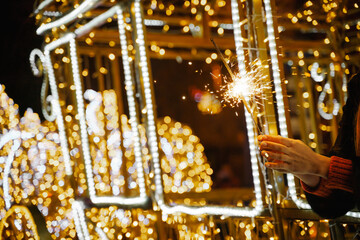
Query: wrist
309	180
323	166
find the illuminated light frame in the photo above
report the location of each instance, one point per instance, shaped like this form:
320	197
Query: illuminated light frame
69	38
279	97
83	7
153	142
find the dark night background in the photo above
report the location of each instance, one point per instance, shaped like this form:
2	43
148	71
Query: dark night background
17	41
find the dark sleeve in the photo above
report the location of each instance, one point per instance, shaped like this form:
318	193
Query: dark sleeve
339	202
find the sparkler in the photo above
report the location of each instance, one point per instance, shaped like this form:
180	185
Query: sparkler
241	86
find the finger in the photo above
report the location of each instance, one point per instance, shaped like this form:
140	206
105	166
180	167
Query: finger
277	139
279	166
275	156
274	147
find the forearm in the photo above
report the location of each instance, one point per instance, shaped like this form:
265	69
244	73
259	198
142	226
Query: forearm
310	180
339	176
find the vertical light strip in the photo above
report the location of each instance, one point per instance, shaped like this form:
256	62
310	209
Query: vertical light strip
249	122
77	223
80	221
275	69
82	121
9	161
152	138
131	102
56	103
101	233
279	95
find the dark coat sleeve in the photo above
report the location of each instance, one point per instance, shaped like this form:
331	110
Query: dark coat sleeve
340	202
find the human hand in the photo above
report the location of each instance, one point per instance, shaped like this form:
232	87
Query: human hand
292	156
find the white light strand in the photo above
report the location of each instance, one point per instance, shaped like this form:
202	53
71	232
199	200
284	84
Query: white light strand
77	223
42	5
336	105
56	103
249	122
16	137
130	93
344	78
101	233
82	121
83	7
80	221
36	71
95	99
97	21
52	13
238	36
36	52
144	69
275	69
9	161
227	26
314	73
154	22
210	210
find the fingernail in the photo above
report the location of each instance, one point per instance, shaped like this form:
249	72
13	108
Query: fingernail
264	144
260	138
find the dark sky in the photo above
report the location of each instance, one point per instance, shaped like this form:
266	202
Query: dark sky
18	38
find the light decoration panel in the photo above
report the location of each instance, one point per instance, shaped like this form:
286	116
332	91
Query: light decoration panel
32	170
153	141
70	39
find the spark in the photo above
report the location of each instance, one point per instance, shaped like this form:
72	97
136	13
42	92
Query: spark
241	87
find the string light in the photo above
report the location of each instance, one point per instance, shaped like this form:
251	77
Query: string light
82	8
